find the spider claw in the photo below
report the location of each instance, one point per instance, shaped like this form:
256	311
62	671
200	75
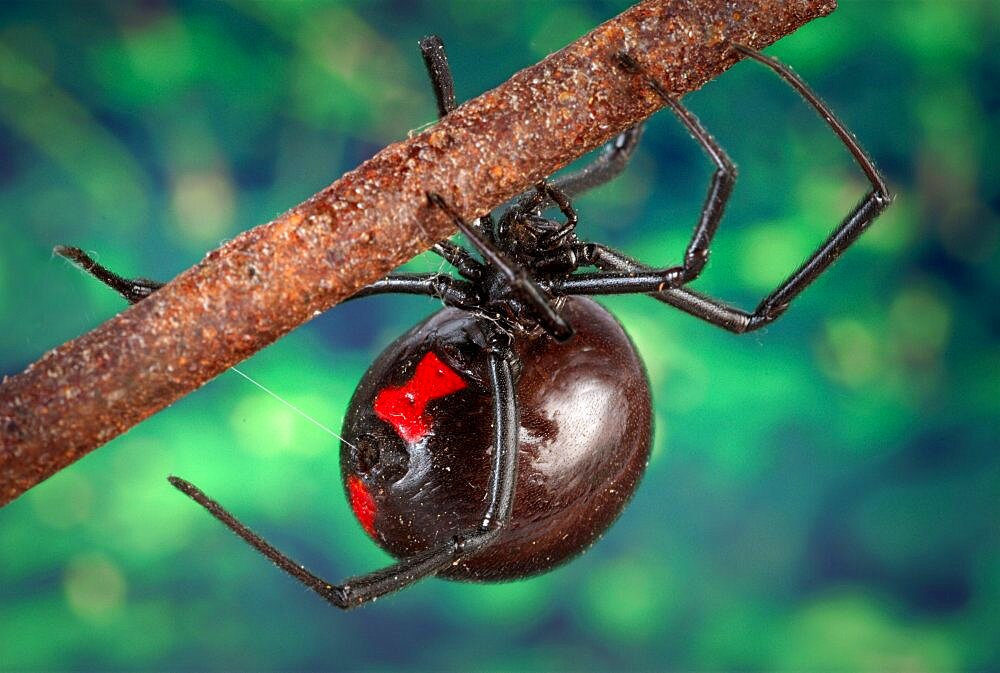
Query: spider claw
67	251
75	255
627	63
436	199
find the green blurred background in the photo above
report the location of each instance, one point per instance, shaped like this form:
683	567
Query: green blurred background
822	495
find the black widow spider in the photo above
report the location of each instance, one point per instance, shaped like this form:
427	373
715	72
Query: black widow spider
568	408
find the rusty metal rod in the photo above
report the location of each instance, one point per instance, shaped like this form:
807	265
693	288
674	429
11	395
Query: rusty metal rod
270	279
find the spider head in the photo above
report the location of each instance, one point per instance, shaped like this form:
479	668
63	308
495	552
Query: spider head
527	233
530	233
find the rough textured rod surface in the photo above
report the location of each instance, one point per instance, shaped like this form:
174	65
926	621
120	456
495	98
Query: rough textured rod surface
277	276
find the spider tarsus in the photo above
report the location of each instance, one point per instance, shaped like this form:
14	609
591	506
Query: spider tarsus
132	290
436	200
743	50
338	596
75	255
67	251
627	63
439	201
187	488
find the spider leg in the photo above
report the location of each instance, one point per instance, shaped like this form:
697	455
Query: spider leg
439	285
436	61
545	193
131	289
608	165
466	265
719	190
448	289
624	270
526	289
860	156
364	588
628	276
561	199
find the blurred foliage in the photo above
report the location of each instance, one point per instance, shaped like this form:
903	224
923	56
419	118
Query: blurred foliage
823	495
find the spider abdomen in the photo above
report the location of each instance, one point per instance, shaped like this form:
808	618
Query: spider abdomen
420	433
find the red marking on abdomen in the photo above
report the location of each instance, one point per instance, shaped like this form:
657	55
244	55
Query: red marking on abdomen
362	503
403	407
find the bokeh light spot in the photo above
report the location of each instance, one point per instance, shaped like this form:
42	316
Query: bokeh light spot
513	604
920	323
94	586
264	426
856	633
849	352
203	205
161	53
627	600
17	74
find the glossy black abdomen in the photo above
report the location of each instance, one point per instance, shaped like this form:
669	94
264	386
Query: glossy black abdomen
420	428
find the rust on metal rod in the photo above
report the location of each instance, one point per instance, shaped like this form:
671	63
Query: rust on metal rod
267	281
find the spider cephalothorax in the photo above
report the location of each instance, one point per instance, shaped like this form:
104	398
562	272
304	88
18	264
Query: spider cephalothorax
537	242
491	442
537	247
